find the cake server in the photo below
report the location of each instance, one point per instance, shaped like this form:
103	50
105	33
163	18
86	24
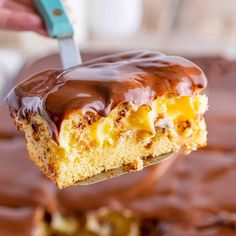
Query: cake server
59	26
126	169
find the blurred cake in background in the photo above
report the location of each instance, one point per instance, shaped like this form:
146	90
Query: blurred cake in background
164	25
194	197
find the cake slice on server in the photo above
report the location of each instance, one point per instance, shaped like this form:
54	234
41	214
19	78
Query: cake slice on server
115	111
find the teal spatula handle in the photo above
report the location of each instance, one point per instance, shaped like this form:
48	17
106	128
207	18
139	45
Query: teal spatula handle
55	18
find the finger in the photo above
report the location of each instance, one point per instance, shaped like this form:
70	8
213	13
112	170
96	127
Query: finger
43	32
2	2
17	6
20	21
29	3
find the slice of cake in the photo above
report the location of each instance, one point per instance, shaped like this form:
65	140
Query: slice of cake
113	111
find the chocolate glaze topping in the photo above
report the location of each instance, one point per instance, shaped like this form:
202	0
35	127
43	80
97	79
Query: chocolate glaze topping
101	84
195	197
21	221
7	128
25	194
21	183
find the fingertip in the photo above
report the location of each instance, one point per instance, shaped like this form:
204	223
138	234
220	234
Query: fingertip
21	21
43	32
36	21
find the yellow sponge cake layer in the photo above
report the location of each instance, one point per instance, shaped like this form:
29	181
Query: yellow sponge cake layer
113	123
91	144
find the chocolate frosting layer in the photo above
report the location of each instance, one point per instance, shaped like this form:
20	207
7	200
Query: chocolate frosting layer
19	221
21	183
195	197
100	85
7	128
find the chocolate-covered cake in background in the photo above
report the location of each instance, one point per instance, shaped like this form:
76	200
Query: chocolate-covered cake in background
195	197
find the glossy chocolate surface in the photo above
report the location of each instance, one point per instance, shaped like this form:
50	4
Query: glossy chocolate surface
19	221
7	127
25	194
195	197
21	183
101	84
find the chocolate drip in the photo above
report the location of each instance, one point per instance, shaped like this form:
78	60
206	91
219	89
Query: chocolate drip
195	197
102	84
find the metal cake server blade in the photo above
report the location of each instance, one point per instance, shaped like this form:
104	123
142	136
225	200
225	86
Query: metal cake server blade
60	27
124	170
69	52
